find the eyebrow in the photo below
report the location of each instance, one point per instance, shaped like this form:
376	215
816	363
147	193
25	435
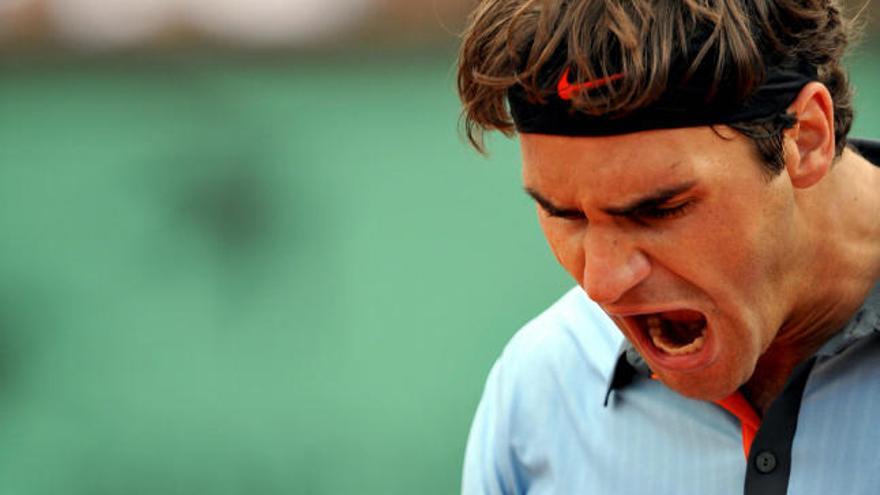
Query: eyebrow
647	202
552	209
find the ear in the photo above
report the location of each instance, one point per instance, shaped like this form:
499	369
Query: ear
810	143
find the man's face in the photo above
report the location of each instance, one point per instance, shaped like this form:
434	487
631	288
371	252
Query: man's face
681	238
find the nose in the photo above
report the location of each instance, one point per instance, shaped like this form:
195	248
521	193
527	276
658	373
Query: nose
612	265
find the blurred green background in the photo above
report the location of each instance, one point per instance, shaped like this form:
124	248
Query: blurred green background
236	274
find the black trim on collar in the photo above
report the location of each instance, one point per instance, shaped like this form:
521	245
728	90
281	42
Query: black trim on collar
769	465
629	364
622	375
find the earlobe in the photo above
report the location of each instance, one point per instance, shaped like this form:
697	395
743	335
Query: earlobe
810	143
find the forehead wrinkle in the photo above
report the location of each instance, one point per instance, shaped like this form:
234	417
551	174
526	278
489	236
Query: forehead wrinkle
569	174
632	185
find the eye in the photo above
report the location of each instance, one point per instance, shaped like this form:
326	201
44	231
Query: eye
662	213
570	216
564	214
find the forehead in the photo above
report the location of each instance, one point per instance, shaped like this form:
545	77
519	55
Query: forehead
637	161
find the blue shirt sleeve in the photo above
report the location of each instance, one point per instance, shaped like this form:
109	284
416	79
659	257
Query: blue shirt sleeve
489	465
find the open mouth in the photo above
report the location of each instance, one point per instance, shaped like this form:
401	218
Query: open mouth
676	333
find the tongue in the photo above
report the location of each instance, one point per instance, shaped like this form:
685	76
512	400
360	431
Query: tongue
681	333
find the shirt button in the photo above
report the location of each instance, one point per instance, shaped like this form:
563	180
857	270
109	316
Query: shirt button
765	462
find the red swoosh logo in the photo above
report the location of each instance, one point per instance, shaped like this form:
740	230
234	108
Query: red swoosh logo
566	90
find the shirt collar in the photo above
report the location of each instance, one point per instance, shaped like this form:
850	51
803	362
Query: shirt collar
628	365
865	322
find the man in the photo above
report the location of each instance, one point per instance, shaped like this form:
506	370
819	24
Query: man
691	169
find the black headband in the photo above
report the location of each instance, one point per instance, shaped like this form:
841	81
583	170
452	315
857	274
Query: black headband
684	105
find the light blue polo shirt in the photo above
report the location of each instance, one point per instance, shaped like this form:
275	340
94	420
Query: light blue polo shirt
542	426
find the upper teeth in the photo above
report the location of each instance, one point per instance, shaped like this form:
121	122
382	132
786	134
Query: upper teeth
655	330
654	324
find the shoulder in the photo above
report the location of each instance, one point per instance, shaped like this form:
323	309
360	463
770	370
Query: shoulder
565	354
551	373
572	330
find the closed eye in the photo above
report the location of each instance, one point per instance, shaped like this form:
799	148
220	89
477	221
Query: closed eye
662	213
564	214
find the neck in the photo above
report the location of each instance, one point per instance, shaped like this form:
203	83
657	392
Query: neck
841	215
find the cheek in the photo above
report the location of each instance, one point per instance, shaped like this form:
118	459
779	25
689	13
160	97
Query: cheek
737	261
565	244
727	248
748	249
748	232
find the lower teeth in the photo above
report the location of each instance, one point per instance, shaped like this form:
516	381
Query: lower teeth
655	329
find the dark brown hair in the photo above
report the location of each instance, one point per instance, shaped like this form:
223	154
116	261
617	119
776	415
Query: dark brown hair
514	42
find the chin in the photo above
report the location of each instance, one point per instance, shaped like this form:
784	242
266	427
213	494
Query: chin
701	386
